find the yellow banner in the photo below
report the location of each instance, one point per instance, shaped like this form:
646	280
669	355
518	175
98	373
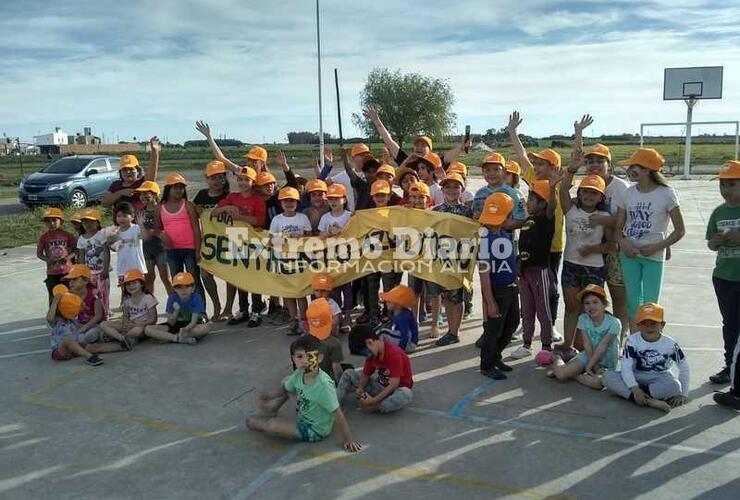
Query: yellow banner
432	246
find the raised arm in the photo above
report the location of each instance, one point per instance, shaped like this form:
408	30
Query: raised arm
578	128
290	178
205	129
347	168
372	114
453	153
153	168
516	143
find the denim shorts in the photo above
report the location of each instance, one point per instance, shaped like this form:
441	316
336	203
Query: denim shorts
304	431
578	276
154	252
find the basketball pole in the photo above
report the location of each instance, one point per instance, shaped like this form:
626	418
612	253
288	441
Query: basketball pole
687	150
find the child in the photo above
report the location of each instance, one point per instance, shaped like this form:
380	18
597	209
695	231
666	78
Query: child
317	406
93	251
249	206
585	243
642	223
322	286
331	224
56	247
180	227
291	224
600	332
391	389
403	330
497	268
76	222
186	314
139	310
493	173
321	316
535	275
386	173
361	186
154	253
131	250
427	176
318	206
723	236
91	312
648	362
380	191
65	342
405	178
452	188
467	195
130	178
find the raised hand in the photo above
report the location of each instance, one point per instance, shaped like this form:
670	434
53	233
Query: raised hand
576	160
155	144
203	128
585	122
282	161
371	113
514	121
328	156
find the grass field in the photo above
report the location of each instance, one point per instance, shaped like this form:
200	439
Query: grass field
24	228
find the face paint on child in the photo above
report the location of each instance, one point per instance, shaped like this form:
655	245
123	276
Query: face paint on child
313	360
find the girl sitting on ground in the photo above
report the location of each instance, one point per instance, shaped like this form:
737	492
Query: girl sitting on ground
139	310
186	314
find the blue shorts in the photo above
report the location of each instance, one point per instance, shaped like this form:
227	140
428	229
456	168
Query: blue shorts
584	358
304	431
578	276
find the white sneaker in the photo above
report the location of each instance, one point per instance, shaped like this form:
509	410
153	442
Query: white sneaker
556	335
521	352
518	334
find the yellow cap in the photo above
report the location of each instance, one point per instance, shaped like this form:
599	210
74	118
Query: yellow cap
359	149
76	216
215	167
289	193
316	185
336	190
250	173
264	178
599	150
542	189
257	153
386	169
426	140
453	177
52	213
401	295
594	182
549	155
494	158
647	158
183	279
133	275
148	186
59	290
432	159
513	167
730	170
403	172
319	318
128	161
322	281
70	305
496	209
649	311
90	214
459	167
420	188
173	179
78	271
591	288
380	187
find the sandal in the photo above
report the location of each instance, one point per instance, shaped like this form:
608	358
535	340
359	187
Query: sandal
185	340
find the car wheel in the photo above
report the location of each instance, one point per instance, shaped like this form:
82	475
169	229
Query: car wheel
78	199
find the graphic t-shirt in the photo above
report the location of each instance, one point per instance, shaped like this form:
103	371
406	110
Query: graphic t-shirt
647	215
661	356
402	329
519	212
316	402
134	199
614	191
330	221
609	326
94	250
725	219
139	311
581	233
558	238
295	226
498	254
395	364
131	251
55	245
194	305
459	209
535	241
205	200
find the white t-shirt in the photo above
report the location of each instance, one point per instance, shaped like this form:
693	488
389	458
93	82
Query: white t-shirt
94	250
131	251
579	232
139	312
295	226
613	192
662	356
647	215
437	196
467	197
328	220
343	179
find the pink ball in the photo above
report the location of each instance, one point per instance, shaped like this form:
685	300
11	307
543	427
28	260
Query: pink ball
543	358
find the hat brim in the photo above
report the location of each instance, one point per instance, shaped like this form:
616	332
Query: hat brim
492	220
392	297
250	156
596	153
544	158
445	181
592	188
175	285
649	317
285	198
583	293
72	276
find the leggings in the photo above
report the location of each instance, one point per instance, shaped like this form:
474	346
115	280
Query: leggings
642	280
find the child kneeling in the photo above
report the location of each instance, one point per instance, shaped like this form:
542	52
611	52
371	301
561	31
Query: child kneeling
318	408
186	314
648	358
402	330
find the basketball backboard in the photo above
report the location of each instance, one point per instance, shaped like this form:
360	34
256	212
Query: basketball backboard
698	83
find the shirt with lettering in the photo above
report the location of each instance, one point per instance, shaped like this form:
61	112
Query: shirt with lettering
725	219
57	246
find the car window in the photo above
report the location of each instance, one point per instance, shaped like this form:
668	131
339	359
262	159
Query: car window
69	165
99	165
115	163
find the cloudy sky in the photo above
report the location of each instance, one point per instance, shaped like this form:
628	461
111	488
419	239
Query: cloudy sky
139	68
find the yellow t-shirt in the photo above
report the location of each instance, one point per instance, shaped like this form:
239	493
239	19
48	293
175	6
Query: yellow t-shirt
558	239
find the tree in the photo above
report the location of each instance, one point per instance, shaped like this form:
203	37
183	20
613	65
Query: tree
408	104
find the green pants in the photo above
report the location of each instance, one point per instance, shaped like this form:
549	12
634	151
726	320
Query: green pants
642	280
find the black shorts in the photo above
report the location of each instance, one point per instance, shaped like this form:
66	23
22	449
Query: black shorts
154	250
179	325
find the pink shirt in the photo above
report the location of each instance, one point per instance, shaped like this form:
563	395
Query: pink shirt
178	227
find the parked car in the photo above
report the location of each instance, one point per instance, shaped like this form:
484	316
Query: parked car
72	180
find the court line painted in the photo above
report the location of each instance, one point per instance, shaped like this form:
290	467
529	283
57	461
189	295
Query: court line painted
27	353
24	329
21	272
267	474
459	407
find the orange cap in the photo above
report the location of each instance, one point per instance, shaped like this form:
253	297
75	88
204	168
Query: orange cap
594	182
432	159
148	186
322	281
319	318
380	187
420	188
494	158
78	271
128	161
424	139
263	178
133	275
359	149
542	189
59	290
591	288
649	311
513	167
496	209
76	216
459	167
215	167
730	170
183	279
90	214
453	177
69	305
403	172
647	158
401	295
316	185
336	190
549	155
250	173
52	213
386	169
599	150
289	193
257	153
173	179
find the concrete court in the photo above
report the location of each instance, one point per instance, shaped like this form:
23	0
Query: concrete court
166	421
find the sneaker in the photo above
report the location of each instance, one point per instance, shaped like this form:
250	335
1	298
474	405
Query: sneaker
447	339
254	320
556	335
727	399
264	311
346	325
521	352
493	373
94	360
500	365
518	334
479	342
721	377
126	344
238	319
295	328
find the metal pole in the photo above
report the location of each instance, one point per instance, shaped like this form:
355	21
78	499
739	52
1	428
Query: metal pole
339	108
687	153
642	139
321	119
737	134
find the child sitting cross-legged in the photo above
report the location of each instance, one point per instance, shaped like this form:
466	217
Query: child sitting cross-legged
322	318
186	314
402	329
317	407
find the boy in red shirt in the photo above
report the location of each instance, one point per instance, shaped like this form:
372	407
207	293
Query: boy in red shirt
56	247
390	390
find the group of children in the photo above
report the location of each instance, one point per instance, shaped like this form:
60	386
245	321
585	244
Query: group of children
613	234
